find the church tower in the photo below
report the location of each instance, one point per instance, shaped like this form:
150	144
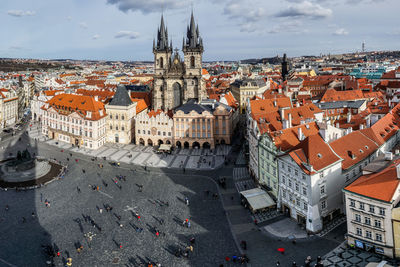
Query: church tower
162	60
193	56
176	81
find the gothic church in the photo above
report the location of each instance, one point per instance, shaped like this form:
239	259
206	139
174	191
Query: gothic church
177	81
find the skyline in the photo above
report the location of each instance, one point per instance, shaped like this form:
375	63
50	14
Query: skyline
56	29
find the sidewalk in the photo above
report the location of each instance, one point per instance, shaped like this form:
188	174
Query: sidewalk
190	159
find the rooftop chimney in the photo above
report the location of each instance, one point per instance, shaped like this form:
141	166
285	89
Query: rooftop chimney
349	117
300	134
282	111
398	171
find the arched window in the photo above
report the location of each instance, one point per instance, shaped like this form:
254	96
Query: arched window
192	62
161	62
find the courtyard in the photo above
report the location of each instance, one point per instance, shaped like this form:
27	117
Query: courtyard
79	201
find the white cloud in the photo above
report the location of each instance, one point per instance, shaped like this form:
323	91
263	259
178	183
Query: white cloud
83	25
236	9
20	13
147	6
305	9
341	31
95	37
245	14
69	18
127	34
293	26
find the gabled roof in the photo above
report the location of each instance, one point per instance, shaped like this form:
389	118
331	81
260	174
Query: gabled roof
353	148
68	103
121	97
302	113
332	95
288	139
381	186
263	106
313	151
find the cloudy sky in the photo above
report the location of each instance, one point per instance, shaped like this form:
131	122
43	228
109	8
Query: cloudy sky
231	29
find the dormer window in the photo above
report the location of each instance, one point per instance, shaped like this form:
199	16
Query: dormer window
361	151
319	155
366	147
101	112
89	114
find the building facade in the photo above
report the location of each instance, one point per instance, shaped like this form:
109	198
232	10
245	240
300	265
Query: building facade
77	120
120	122
177	81
154	128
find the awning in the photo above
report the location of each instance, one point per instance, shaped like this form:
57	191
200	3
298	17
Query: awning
165	147
258	199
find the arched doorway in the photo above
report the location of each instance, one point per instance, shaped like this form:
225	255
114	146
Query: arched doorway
141	142
196	145
178	144
177	94
168	142
223	142
160	142
186	145
150	142
116	138
206	145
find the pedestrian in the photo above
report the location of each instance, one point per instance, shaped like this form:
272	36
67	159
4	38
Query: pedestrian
188	224
78	189
192	240
278	263
101	210
7	207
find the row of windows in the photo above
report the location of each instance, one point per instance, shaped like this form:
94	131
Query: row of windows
296	200
296	185
367	221
296	172
371	208
116	117
116	128
148	132
368	234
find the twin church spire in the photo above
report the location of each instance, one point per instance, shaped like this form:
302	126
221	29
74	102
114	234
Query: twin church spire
193	41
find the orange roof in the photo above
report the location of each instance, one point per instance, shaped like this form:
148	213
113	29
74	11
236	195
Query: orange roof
301	113
204	72
231	100
153	113
288	139
140	106
332	95
381	186
68	103
264	106
103	95
51	92
315	152
353	148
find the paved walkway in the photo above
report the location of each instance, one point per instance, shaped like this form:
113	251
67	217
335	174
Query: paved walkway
197	159
345	256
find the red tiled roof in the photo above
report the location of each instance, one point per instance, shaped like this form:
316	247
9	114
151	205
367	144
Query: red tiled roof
68	103
332	95
380	186
140	106
315	152
353	148
288	139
